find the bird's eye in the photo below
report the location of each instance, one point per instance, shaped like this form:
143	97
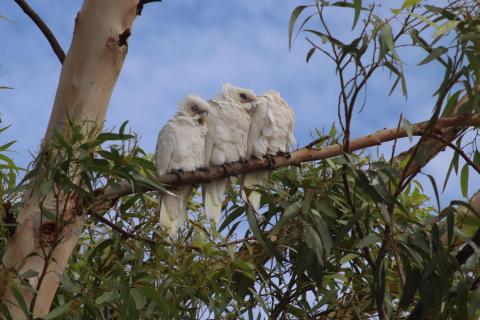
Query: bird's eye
243	96
194	108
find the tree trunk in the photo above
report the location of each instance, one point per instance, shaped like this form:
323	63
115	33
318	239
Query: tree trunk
89	73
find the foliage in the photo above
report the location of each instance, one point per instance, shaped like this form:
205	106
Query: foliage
351	237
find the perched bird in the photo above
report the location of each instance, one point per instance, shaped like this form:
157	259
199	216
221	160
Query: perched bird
271	133
181	147
228	123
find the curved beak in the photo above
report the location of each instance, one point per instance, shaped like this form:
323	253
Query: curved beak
202	117
250	106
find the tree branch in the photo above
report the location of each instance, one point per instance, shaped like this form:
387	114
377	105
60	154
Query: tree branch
295	158
457	150
121	231
141	3
43	28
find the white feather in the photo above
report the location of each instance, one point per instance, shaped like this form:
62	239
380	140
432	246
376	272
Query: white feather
180	146
271	132
228	123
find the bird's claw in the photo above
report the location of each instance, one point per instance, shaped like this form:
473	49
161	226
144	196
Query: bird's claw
179	173
270	161
204	169
226	167
286	154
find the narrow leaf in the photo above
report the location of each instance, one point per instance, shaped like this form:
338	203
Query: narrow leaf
58	311
436	53
444	28
358	8
310	54
293	18
464	180
435	189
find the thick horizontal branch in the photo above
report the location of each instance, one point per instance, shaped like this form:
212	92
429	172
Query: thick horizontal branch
295	158
43	28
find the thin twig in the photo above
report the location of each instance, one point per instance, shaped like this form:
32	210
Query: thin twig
141	3
43	28
124	232
316	141
457	150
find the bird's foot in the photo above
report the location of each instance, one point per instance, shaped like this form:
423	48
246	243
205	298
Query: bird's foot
226	168
204	169
286	154
270	161
179	173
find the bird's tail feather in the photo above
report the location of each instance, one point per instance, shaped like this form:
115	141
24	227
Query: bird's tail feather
213	198
173	209
250	181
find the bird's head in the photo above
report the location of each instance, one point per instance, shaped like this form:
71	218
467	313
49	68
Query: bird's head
195	107
245	97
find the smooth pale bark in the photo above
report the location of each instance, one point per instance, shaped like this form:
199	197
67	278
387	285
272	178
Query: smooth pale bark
87	79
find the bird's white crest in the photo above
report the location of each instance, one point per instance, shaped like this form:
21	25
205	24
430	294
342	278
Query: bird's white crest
185	106
245	97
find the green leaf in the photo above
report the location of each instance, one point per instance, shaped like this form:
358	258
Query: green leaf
106	297
139	299
464	180
21	302
5	18
152	294
230	217
292	211
58	311
386	35
476	158
410	287
358	8
293	18
28	274
461	300
310	53
325	37
348	257
423	19
264	242
435	189
346	228
450	225
408	128
410	3
444	28
323	230
368	240
7	145
451	104
434	54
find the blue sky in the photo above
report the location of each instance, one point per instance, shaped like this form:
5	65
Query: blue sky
194	46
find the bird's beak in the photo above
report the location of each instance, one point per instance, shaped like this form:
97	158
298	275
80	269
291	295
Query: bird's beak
202	117
250	106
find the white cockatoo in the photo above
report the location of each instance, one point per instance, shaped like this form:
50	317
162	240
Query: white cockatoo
228	123
181	147
271	133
